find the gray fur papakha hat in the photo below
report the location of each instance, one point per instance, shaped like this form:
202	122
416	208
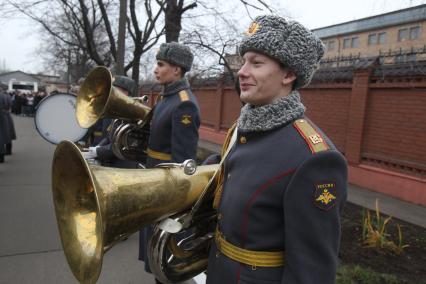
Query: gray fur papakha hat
288	42
127	84
177	54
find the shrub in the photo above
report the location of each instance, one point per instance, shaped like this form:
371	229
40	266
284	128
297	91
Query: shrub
375	234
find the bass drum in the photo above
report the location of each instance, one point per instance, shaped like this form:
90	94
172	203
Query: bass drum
55	119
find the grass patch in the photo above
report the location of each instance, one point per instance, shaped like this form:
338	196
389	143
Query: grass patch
355	274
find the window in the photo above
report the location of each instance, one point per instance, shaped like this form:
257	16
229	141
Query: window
411	57
346	43
382	38
403	58
414	32
399	59
331	45
402	34
372	39
355	42
351	42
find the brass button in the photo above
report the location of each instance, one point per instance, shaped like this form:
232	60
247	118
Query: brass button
229	176
219	216
243	140
217	253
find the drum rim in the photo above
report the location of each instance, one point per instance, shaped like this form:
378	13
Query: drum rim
35	117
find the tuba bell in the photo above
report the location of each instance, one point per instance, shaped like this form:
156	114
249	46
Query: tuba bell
96	207
98	98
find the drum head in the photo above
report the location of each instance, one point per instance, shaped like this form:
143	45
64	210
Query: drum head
55	119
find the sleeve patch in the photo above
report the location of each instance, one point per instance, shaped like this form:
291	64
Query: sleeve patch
325	196
186	119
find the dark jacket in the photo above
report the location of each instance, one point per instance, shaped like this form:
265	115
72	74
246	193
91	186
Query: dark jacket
174	127
274	199
7	127
104	152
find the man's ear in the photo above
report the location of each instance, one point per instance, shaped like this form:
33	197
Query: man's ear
178	71
288	78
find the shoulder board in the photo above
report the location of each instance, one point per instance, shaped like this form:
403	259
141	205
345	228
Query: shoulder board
183	96
314	140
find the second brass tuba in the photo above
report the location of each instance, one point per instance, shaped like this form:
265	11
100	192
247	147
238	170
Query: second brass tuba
98	98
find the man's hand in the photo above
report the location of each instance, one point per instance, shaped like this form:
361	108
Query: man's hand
90	153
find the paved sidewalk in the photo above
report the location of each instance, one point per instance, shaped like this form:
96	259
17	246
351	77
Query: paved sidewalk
30	247
396	208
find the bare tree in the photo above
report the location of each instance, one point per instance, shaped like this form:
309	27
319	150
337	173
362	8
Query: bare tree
145	37
218	44
90	26
214	31
173	10
87	29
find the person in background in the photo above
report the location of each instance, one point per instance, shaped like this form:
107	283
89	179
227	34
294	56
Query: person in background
284	183
176	118
3	126
8	126
39	96
18	102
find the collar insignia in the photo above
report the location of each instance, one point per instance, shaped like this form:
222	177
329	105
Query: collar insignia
252	29
186	119
325	196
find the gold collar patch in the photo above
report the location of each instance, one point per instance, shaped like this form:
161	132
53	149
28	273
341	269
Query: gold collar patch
325	196
252	29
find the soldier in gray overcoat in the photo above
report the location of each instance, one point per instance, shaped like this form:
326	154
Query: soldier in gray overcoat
3	129
7	128
283	183
11	134
176	119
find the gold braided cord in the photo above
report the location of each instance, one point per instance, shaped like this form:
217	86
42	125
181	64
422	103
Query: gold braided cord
218	190
249	257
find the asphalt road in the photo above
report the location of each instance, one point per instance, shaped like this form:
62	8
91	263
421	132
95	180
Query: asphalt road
30	248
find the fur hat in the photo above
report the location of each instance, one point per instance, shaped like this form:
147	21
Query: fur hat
127	84
288	42
177	54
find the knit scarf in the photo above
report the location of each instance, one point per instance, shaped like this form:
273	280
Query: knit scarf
175	87
271	116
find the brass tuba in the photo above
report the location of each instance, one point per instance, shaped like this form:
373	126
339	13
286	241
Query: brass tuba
96	207
98	98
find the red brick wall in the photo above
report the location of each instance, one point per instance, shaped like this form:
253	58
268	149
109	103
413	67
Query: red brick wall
207	100
395	127
230	108
329	108
379	126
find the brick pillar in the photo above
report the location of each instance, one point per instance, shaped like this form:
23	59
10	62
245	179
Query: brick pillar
356	117
218	105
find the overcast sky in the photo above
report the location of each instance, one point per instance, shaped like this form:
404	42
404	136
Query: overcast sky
19	38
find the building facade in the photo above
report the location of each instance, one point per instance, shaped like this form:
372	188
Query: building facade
28	83
398	36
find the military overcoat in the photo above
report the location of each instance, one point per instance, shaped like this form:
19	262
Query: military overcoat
174	128
283	191
173	137
6	121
